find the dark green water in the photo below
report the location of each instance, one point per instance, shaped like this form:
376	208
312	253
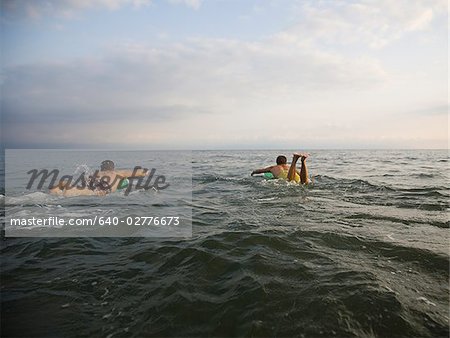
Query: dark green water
361	252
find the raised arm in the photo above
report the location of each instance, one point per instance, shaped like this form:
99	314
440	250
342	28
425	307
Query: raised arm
262	171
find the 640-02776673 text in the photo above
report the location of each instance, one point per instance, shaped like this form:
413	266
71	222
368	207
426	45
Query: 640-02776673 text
55	221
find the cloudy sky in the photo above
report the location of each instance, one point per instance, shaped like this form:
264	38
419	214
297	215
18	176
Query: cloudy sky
209	74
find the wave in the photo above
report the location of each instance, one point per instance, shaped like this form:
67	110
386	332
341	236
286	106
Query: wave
393	219
31	198
425	190
351	184
427	259
422	175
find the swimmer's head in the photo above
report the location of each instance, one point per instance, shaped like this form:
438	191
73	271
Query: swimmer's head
281	159
107	165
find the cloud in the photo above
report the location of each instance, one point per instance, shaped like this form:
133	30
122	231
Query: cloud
438	109
176	83
35	9
17	9
195	4
372	23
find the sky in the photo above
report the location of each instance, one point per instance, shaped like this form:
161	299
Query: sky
224	74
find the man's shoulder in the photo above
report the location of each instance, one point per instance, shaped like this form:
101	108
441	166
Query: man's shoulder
277	167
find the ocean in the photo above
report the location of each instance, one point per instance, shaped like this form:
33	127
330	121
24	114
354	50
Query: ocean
362	251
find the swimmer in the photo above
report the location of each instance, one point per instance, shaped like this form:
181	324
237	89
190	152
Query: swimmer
284	171
105	181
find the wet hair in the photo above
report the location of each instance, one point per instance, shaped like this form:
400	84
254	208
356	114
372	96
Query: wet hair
107	165
281	159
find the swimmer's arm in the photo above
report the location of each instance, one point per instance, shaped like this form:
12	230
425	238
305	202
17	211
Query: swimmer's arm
82	192
262	171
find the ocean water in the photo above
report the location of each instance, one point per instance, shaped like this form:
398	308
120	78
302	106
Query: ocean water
363	251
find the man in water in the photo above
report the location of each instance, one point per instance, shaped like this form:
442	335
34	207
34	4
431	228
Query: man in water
283	170
105	181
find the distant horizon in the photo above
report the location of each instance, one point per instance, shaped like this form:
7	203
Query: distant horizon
231	149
